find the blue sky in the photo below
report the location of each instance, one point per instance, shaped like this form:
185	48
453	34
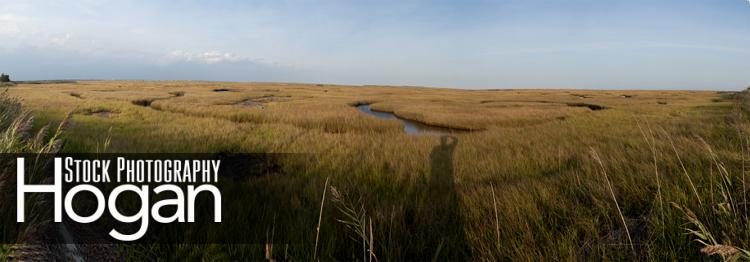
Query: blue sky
665	44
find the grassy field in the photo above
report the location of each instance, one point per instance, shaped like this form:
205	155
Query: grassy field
540	174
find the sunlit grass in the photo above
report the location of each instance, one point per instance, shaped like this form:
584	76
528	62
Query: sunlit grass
527	187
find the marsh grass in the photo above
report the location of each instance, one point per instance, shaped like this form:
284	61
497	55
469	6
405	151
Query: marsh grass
320	218
525	188
721	226
17	136
614	198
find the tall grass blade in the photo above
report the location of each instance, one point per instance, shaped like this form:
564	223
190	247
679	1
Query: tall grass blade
614	198
320	218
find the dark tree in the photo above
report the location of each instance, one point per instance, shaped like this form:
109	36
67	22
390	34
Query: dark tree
4	78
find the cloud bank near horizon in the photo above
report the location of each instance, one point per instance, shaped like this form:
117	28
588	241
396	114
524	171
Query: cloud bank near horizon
469	44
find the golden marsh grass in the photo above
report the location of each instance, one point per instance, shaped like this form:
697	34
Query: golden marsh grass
522	186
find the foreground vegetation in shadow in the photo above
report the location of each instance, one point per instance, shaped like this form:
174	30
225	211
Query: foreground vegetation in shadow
658	175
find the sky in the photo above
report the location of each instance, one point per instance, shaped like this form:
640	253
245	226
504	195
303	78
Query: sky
598	44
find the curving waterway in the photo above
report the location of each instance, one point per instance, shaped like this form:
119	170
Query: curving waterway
410	127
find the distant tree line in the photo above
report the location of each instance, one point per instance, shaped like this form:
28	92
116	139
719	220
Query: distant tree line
4	78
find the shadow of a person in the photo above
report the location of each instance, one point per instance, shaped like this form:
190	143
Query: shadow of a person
445	202
441	164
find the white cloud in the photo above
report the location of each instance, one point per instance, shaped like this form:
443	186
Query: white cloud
208	57
19	30
12	26
214	57
61	40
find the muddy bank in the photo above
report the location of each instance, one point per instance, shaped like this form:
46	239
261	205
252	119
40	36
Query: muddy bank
261	102
592	107
99	111
146	102
251	103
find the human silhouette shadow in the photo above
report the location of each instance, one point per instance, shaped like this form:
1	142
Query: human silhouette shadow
441	165
445	202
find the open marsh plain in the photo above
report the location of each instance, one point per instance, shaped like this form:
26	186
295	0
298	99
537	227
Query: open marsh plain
513	175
